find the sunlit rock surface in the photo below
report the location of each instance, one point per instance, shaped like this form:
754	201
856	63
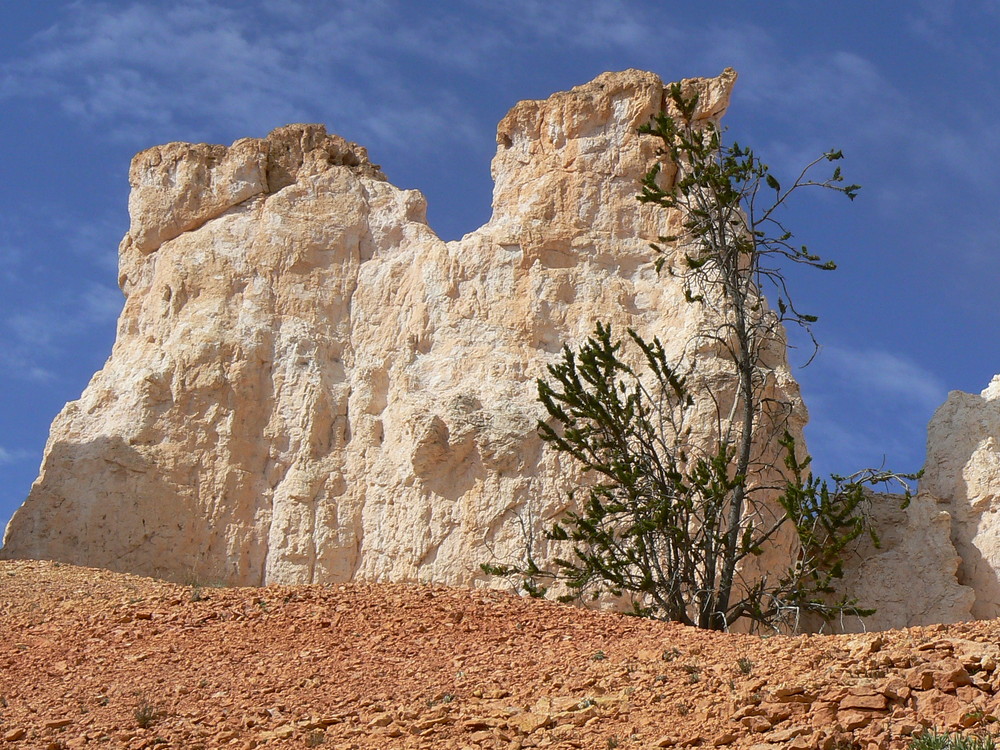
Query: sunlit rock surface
962	476
309	385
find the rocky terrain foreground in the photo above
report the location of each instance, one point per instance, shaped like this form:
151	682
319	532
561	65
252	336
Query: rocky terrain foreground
91	658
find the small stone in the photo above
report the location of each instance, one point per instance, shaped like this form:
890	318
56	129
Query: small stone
15	734
951	675
896	688
784	735
528	722
824	714
851	720
775	712
864	702
394	730
787	691
802	742
423	726
281	733
920	678
905	728
756	723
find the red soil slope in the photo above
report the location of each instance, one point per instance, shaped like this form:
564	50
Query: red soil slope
95	659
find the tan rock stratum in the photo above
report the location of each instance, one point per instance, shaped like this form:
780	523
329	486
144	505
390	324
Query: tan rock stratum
308	385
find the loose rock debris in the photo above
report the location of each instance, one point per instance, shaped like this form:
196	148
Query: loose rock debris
90	658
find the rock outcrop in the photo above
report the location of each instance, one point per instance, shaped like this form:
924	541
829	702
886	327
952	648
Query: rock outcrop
941	560
309	385
962	478
911	578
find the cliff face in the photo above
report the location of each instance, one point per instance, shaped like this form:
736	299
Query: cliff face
309	385
962	480
942	562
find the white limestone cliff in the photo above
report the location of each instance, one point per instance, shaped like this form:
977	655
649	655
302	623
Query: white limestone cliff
911	578
962	478
942	560
309	385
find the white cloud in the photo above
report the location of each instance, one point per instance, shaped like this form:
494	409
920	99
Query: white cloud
10	259
191	68
868	407
20	363
841	448
100	304
44	332
34	328
591	24
12	456
886	374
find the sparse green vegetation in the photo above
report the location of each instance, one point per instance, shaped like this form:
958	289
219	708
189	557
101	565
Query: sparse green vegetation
146	713
932	740
697	474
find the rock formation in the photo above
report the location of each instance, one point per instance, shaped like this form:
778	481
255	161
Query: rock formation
911	578
309	385
962	479
941	562
940	559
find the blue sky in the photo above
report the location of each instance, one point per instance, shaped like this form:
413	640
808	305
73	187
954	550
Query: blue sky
909	90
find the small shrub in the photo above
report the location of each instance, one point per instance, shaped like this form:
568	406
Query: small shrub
598	656
745	665
315	739
146	713
931	740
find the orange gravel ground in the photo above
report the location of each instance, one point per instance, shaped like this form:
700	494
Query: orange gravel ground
90	658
